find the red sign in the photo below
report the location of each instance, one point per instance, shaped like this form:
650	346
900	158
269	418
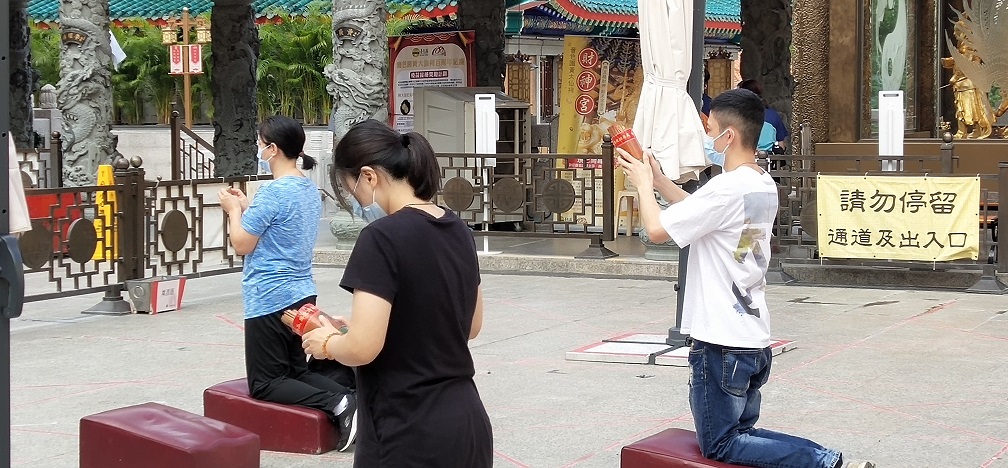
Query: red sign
176	59
587	81
196	59
584	104
588	58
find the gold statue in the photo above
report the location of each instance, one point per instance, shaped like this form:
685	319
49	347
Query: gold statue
973	108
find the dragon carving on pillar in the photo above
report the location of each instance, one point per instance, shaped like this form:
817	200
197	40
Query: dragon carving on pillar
358	76
84	91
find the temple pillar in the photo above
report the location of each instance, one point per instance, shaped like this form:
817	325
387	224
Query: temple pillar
234	52
22	75
84	91
358	76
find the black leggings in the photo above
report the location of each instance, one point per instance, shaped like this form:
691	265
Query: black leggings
277	371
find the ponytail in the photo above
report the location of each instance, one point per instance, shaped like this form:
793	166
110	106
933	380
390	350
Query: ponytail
307	162
424	172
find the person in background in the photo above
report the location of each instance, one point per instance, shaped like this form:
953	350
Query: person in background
417	302
727	225
277	233
770	116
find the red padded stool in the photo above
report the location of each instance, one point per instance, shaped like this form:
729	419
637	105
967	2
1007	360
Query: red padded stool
281	428
158	436
671	448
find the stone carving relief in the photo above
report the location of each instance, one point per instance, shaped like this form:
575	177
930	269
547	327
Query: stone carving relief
358	76
235	54
84	91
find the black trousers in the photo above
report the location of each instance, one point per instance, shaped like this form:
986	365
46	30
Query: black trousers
277	371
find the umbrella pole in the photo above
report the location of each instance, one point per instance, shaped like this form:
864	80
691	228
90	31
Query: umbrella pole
695	88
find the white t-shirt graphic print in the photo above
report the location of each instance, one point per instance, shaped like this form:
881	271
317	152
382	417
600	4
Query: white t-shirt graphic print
727	224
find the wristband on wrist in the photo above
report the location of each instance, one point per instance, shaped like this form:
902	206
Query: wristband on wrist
325	346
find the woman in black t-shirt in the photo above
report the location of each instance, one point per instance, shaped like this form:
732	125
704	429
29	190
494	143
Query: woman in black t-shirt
417	302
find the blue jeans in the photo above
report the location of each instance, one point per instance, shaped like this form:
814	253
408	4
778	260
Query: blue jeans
725	401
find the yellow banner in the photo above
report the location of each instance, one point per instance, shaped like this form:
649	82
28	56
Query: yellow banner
600	86
898	218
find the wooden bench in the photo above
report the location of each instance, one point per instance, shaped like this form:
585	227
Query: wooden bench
153	435
281	428
671	448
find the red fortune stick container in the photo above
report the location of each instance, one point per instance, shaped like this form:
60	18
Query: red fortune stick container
625	139
306	319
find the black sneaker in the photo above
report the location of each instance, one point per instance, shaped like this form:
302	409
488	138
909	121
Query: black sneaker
347	421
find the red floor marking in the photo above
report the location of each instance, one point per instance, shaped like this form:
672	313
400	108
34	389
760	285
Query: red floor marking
970	332
932	421
843	348
150	379
585	457
664	422
141	340
32	403
39	431
512	460
228	321
54	457
996	457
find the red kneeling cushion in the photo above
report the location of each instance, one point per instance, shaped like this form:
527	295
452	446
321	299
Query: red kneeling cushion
281	428
158	436
671	448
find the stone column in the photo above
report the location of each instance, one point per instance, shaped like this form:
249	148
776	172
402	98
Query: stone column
234	49
22	75
84	91
811	46
487	19
766	50
358	76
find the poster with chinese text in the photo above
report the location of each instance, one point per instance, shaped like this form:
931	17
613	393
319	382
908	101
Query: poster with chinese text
929	219
601	81
426	61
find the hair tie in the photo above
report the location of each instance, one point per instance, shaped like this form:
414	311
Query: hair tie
405	140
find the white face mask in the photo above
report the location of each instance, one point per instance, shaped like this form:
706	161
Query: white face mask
264	167
713	155
370	213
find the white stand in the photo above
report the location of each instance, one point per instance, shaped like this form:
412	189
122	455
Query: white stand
891	129
487	133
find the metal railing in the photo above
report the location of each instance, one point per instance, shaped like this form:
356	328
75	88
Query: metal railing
95	238
192	157
44	165
574	201
795	229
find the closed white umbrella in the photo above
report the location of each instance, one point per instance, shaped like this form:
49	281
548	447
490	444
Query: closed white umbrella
667	120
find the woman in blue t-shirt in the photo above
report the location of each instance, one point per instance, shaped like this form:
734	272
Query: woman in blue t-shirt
277	233
775	141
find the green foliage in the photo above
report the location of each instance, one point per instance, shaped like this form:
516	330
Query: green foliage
293	54
45	50
143	77
294	51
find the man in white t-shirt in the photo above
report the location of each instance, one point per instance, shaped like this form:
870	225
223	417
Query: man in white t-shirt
727	225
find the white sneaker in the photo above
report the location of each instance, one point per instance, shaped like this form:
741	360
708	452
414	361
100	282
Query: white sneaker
864	464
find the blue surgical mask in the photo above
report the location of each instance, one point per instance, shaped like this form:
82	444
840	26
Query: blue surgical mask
264	167
715	156
370	213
